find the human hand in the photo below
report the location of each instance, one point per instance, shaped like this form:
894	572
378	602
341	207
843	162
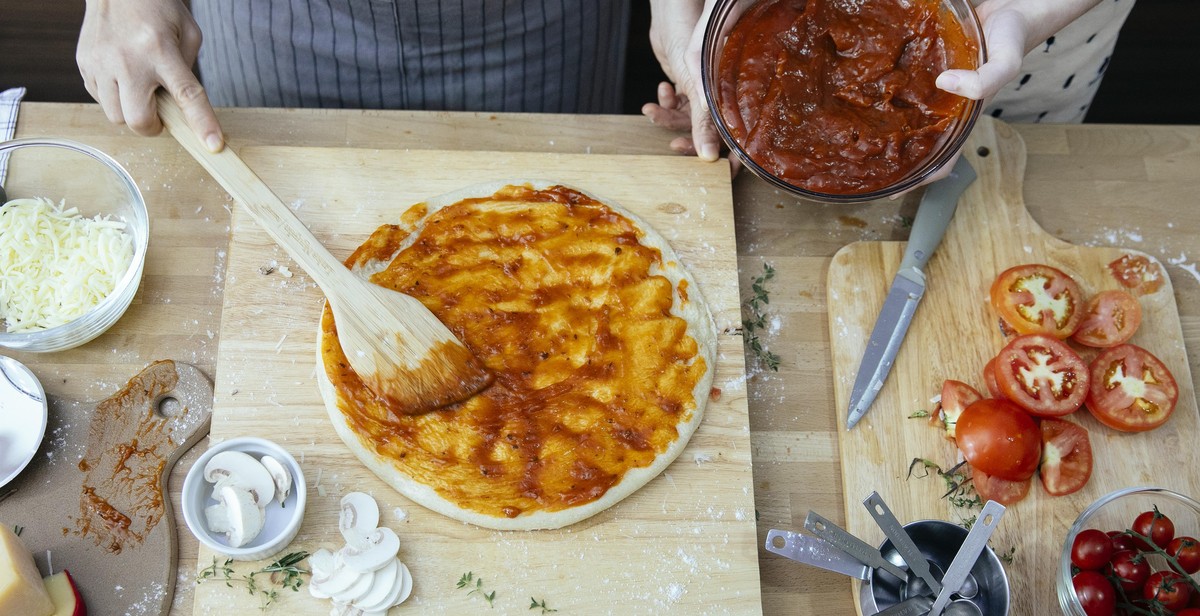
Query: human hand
677	36
129	48
1006	33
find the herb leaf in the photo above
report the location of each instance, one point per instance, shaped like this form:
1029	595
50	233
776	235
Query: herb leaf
282	573
755	322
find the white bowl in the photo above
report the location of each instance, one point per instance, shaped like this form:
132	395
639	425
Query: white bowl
23	415
282	520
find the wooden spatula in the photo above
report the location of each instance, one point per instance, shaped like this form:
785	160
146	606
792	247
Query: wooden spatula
394	343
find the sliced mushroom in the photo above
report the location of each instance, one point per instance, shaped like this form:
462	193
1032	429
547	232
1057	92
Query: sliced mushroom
240	470
358	518
381	587
322	564
406	588
380	547
217	518
280	475
339	578
245	517
360	587
395	589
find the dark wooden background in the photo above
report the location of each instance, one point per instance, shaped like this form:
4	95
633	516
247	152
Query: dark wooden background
1154	76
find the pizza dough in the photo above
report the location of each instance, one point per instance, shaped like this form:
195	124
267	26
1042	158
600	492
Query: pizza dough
600	342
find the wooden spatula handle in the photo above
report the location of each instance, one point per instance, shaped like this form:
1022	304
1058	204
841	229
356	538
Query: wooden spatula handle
228	169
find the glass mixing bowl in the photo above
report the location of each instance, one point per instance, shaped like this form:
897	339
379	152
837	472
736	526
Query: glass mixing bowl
89	180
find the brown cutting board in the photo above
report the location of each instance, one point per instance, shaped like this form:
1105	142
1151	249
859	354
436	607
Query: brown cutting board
94	500
953	334
685	543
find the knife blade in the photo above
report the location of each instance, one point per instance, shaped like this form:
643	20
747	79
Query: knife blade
908	287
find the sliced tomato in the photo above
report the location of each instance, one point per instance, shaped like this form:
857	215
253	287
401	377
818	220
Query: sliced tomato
989	378
1000	490
1131	390
1109	318
1000	439
1042	375
1138	273
956	396
1066	457
1038	299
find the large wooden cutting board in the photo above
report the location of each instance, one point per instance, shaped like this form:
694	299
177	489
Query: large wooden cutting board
685	543
953	334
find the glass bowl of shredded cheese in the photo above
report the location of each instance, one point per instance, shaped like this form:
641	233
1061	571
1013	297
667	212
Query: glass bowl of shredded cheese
73	237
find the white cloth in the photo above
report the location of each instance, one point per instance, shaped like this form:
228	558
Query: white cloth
10	103
1059	78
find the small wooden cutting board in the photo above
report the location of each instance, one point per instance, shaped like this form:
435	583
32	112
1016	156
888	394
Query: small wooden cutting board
953	334
94	500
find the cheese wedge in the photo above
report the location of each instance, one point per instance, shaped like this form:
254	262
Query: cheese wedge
21	588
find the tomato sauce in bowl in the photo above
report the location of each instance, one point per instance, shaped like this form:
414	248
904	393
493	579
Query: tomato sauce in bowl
836	98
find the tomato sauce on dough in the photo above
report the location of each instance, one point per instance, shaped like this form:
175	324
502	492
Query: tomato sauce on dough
553	292
838	96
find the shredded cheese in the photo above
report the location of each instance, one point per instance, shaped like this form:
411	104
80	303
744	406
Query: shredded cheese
55	265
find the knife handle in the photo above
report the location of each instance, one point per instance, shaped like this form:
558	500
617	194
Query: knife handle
934	213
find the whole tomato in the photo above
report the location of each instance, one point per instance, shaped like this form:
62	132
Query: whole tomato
1158	527
1167	588
1186	551
1130	569
1123	541
1096	594
1091	549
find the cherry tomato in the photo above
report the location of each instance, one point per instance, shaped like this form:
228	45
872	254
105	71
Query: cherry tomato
1169	589
1000	490
1137	273
956	396
1124	541
989	379
1066	457
1109	319
1095	592
1153	524
1186	551
1131	389
1038	299
1042	375
1000	439
1131	570
1091	549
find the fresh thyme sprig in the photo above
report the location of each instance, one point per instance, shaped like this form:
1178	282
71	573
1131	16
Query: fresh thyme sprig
267	594
756	321
468	580
535	604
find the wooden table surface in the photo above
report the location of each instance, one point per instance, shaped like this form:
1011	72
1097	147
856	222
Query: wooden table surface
1129	186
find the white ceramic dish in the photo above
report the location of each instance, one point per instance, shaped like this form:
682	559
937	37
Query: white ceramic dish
23	415
283	520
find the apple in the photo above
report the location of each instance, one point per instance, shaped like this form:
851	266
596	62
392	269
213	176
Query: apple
64	594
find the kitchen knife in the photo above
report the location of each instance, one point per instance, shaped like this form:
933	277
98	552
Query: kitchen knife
933	216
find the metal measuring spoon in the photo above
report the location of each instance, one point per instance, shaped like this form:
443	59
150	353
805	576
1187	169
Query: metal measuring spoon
962	607
917	563
967	554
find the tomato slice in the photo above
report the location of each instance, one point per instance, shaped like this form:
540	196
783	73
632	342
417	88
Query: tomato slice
956	396
1066	457
1000	490
1109	318
1137	273
1038	299
1000	439
1042	375
1131	390
989	379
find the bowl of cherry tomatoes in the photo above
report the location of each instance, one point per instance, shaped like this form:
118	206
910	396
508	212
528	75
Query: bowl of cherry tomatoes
1133	551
